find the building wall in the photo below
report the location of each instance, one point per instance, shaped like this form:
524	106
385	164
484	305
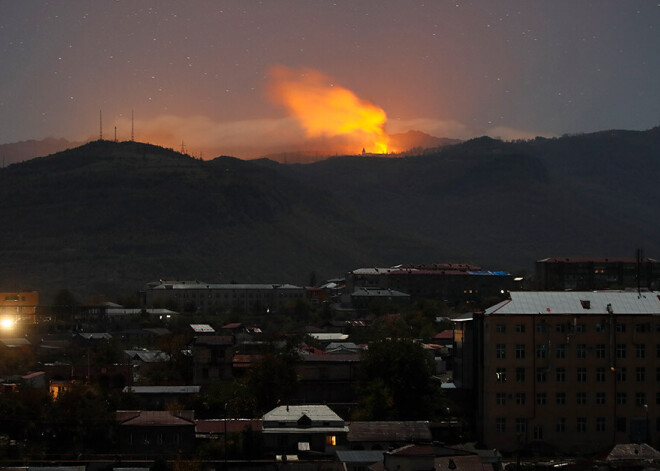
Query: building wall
580	383
212	299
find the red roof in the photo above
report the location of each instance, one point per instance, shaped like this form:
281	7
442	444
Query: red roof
233	325
150	418
445	334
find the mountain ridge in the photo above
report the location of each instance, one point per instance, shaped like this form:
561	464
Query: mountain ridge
106	217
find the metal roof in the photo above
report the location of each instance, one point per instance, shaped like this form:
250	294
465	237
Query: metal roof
578	302
162	389
360	456
321	413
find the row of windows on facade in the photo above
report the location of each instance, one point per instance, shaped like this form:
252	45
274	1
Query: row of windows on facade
581	376
157	438
238	295
580	328
581	350
561	425
581	398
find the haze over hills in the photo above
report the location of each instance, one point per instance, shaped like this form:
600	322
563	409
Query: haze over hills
108	217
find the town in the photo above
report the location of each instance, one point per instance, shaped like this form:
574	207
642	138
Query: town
410	367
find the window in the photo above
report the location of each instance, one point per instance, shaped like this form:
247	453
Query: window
500	375
621	374
560	398
541	375
581	350
500	328
581	398
541	328
643	328
560	427
520	399
600	375
540	351
541	399
600	350
500	351
640	398
600	398
560	375
640	350
601	424
657	373
640	373
600	328
520	375
586	304
581	424
500	424
657	398
580	328
538	432
520	328
581	375
560	351
657	350
520	350
620	350
620	328
500	399
521	425
560	328
331	440
621	398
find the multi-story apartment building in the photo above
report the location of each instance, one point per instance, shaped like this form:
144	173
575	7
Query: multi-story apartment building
209	298
448	282
579	371
597	273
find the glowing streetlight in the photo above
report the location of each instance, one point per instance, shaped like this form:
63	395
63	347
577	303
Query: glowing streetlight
7	323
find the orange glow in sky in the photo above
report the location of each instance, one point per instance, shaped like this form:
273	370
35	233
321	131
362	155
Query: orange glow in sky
327	110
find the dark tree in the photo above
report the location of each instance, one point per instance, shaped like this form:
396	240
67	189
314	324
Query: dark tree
396	381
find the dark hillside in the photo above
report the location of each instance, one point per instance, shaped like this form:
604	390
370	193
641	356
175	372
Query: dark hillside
108	217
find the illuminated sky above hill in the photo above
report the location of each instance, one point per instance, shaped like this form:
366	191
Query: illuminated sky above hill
203	72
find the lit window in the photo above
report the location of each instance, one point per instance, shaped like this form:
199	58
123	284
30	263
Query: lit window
331	440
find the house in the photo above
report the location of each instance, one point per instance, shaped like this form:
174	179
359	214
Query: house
149	434
212	358
358	460
362	297
574	371
303	430
328	379
423	457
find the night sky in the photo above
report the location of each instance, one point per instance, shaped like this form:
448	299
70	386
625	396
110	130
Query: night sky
199	71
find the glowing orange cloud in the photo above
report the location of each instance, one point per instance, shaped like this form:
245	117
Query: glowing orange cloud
327	110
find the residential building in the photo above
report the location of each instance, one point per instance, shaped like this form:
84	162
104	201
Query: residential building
449	282
303	428
196	297
149	434
387	435
19	306
212	357
597	273
579	371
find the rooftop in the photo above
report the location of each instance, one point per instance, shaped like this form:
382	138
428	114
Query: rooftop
578	302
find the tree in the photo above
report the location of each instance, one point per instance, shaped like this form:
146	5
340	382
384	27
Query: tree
402	370
272	380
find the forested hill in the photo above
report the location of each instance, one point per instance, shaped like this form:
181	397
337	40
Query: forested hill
108	217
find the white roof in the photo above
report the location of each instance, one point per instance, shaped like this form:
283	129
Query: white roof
202	328
321	413
573	302
328	336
